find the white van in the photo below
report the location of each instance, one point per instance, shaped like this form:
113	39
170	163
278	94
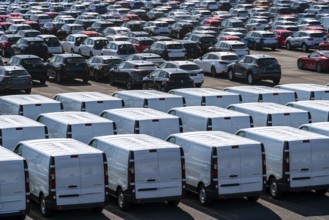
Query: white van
81	126
65	174
143	169
30	106
307	91
222	165
273	114
16	128
93	102
319	109
144	121
296	160
318	127
211	118
150	99
207	96
263	94
14	185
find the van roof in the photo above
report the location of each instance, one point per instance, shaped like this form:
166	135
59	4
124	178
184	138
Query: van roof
75	117
209	111
304	87
6	155
320	125
256	89
135	141
88	96
202	92
214	138
315	104
28	99
60	146
268	107
140	113
147	94
14	121
284	133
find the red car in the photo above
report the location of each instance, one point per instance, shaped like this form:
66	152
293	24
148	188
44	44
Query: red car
211	22
282	35
6	41
141	43
324	45
91	33
4	25
34	25
318	60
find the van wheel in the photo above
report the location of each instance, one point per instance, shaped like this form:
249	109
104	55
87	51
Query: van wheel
321	192
111	79
42	81
274	189
213	72
43	207
122	203
273	48
85	80
173	203
276	81
252	198
203	197
58	77
145	86
28	91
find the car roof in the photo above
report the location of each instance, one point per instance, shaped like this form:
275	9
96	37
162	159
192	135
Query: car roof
140	62
222	53
120	42
174	70
66	55
24	56
107	57
147	55
10	68
259	56
182	62
232	42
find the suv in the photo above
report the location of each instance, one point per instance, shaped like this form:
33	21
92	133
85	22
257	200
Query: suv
131	73
192	48
157	28
33	64
168	50
258	39
99	66
68	66
255	67
15	78
204	41
180	29
30	45
121	49
237	47
305	39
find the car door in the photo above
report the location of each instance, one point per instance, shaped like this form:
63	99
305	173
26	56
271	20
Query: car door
151	83
312	60
122	72
203	62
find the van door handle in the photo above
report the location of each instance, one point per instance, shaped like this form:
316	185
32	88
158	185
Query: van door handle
233	176
304	169
151	180
72	186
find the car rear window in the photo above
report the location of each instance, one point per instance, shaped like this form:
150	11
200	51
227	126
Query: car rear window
75	60
112	61
16	73
237	24
145	42
230	57
212	40
268	36
238	46
31	61
179	76
161	24
52	42
267	61
190	67
317	35
174	46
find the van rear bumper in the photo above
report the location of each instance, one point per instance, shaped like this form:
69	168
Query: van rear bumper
14	214
52	205
214	194
130	198
286	187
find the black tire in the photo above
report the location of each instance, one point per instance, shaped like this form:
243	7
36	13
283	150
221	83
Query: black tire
273	48
58	78
304	48
145	86
129	84
250	79
203	197
3	53
111	79
42	81
252	198
85	80
96	76
91	54
173	203
300	64
45	211
198	85
288	46
22	217
97	210
321	192
213	71
275	193
28	91
276	81
121	200
231	74
319	68
72	51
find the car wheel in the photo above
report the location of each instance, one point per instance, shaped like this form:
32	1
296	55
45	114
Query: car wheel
300	64
254	46
288	46
250	79
276	81
111	79
231	74
318	67
304	48
121	200
42	81
129	83
273	48
85	80
252	198
198	85
203	197
58	77
145	86
213	71
274	189
43	207
96	75
91	54
28	91
173	203
321	192
97	210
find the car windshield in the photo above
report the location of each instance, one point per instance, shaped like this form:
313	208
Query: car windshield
286	34
267	61
190	46
293	29
317	35
190	67
325	52
80	39
212	40
145	42
314	23
112	61
161	24
31	61
174	46
238	46
16	73
72	60
13	39
35	42
230	57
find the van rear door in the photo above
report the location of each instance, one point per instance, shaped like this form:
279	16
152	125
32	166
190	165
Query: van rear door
321	95
150	127
165	104
68	182
222	101
300	163
96	107
92	178
282	119
320	163
280	98
169	126
230	124
12	186
84	132
170	172
34	110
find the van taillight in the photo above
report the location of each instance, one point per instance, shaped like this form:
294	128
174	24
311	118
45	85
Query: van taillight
131	171
27	183
37	104
106	176
20	110
161	99
312	96
52	178
88	124
99	102
227	118
286	114
251	121
296	97
182	157
181	130
309	117
214	168
184	102
83	106
269	120
19	129
122	103
69	131
136	127
240	98
75	156
115	131
155	120
46	132
146	103
203	101
275	93
286	161
62	106
263	163
209	124
260	98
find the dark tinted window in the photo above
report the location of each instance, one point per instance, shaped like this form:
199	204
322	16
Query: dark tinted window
175	46
179	76
145	42
317	35
267	61
31	61
72	60
212	40
190	67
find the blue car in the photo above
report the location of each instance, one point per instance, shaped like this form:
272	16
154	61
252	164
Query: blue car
256	40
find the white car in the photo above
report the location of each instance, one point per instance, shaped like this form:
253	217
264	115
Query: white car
52	42
93	46
157	28
120	49
216	62
72	42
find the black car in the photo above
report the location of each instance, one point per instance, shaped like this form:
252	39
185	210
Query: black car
15	78
299	6
180	29
30	45
255	67
99	26
203	40
192	48
167	79
130	73
33	64
99	66
68	66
